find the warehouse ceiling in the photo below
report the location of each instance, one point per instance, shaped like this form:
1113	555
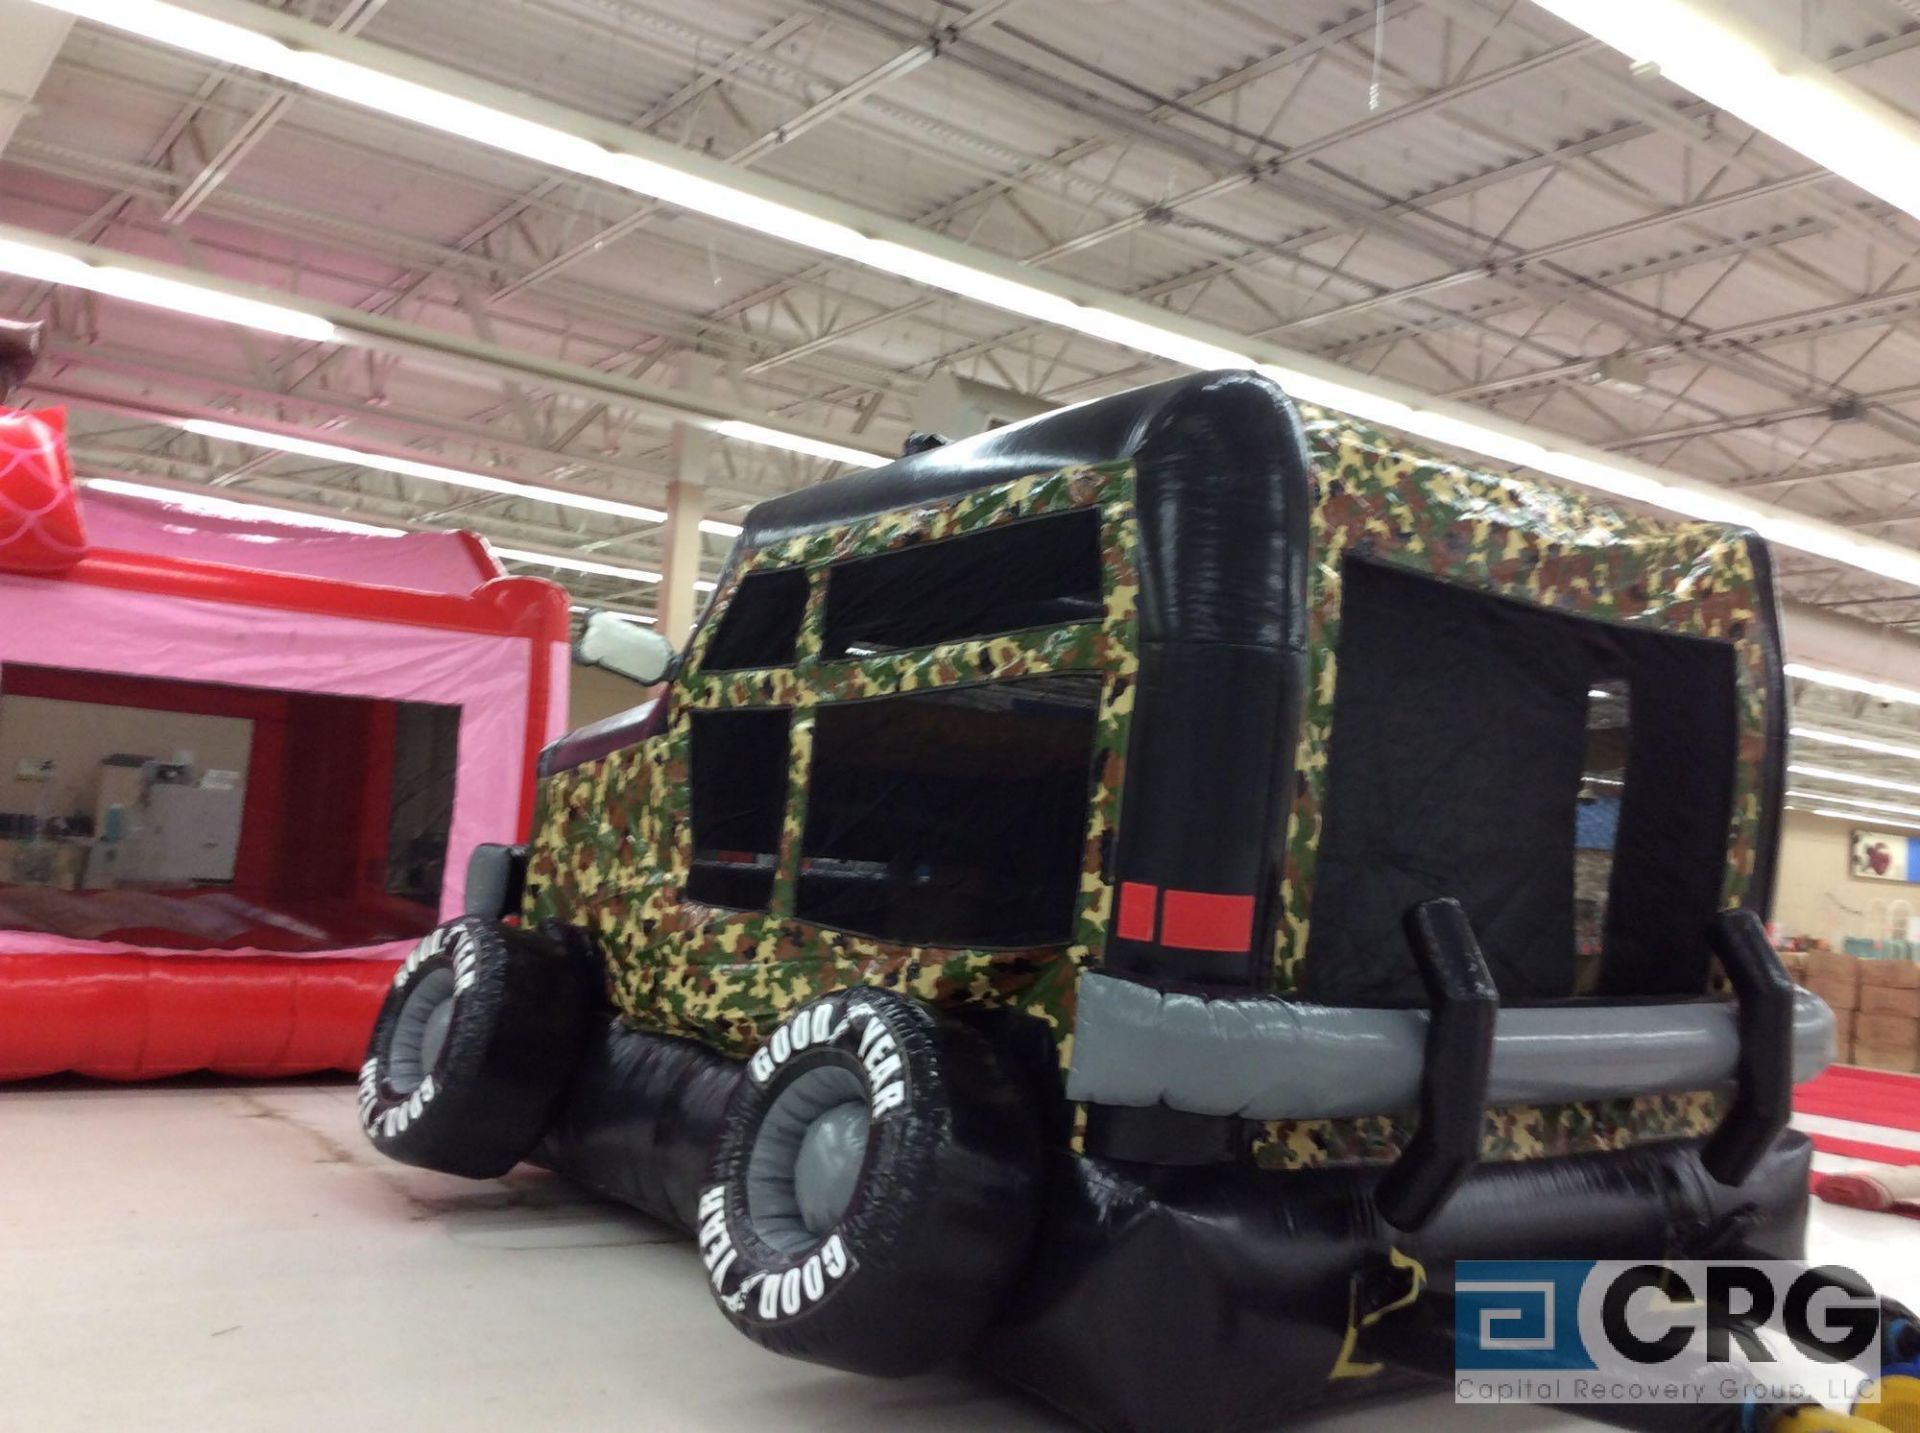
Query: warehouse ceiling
1462	195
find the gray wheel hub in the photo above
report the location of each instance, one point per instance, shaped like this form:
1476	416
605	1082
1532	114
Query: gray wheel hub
807	1156
420	1032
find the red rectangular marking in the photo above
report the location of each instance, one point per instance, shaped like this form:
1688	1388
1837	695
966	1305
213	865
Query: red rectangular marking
1199	920
1136	918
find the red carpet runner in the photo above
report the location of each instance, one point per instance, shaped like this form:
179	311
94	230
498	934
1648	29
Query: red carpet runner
1863	1114
1868	1097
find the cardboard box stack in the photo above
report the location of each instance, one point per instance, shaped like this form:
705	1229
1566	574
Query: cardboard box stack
1835	978
1875	1003
1887	1029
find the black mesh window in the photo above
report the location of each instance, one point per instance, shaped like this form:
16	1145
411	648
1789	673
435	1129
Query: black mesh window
761	624
739	787
1464	740
952	817
1040	573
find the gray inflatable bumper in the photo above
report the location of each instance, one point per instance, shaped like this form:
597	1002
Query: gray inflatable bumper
1268	1058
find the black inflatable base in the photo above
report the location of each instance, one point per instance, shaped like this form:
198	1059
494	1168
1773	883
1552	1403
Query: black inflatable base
1216	1298
1181	1300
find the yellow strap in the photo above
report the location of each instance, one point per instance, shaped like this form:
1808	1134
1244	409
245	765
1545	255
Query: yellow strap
1345	1366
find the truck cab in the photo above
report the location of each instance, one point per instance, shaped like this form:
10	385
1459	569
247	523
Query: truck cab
1246	837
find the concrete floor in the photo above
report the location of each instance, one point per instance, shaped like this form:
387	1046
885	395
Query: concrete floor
226	1259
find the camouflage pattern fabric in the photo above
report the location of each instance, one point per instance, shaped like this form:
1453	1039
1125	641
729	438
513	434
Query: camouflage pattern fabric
613	840
1514	537
612	845
1519	1132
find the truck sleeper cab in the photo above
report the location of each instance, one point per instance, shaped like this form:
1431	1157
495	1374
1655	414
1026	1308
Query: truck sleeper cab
1179	849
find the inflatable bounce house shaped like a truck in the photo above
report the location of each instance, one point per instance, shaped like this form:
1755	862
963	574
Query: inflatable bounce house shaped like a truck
1133	899
394	690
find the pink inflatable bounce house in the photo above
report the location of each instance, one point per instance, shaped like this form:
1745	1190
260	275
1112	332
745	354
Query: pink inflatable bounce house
243	765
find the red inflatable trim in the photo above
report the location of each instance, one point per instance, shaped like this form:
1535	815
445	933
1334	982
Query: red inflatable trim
1202	920
143	1017
1139	907
40	527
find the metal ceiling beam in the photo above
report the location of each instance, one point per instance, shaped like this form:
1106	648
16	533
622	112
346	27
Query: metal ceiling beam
436	432
1629	228
1907	393
1799	326
910	59
1160	212
1888	464
1690	122
1609	78
173	415
1418	409
1252	251
1684	124
821	343
351	20
1570	288
900	65
376	331
777	75
1431	234
571	299
104	460
1441	318
1756	367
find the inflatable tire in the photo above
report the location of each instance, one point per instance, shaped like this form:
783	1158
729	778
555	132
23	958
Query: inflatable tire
472	1048
874	1196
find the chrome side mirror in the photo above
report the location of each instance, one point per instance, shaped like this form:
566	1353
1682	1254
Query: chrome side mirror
625	648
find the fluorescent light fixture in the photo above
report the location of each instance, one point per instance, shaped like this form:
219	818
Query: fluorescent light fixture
1707	49
1830	799
1837	127
1030	301
1343	397
1439	428
795	443
577	564
1856	743
433	472
1847	682
29	261
211	506
1854	778
208	505
720	529
1855	816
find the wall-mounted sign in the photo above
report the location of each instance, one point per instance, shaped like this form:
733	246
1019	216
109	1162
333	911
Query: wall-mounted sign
1883	856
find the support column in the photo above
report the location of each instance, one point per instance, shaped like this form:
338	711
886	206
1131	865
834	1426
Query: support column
677	603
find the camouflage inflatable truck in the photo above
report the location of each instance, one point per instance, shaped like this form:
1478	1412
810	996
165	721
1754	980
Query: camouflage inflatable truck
1131	899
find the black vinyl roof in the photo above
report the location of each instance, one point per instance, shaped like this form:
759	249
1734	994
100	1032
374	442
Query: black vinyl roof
1102	430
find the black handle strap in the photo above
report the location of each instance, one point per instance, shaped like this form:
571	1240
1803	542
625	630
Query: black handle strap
1763	1099
1453	1087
